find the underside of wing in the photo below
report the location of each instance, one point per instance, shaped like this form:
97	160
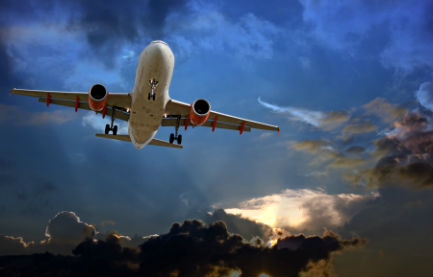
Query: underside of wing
180	109
117	104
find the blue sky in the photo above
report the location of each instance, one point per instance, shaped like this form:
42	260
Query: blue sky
332	75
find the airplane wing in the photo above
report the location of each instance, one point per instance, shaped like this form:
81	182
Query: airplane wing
176	108
79	100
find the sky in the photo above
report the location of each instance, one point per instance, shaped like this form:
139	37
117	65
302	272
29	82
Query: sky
346	184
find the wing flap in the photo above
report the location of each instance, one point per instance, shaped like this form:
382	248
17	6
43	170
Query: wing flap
175	107
209	123
84	105
156	142
122	100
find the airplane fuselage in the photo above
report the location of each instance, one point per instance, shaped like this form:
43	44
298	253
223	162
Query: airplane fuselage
156	62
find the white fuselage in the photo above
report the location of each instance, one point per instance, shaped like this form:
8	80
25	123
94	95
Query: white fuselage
156	62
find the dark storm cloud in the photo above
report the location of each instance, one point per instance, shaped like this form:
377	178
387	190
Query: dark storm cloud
404	156
236	224
107	29
213	250
191	248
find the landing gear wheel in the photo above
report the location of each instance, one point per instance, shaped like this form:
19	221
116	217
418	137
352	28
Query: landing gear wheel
148	96
107	129
153	97
115	130
179	139
171	138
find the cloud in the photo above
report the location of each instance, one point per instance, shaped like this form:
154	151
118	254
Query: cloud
192	240
404	156
303	209
401	156
10	245
355	149
63	233
359	127
107	30
348	27
206	26
312	146
384	110
319	119
96	122
191	248
16	115
424	95
236	224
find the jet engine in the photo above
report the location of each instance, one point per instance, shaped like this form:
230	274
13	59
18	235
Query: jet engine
199	112
97	97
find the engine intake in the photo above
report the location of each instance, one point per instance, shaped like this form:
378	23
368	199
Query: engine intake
199	112
97	97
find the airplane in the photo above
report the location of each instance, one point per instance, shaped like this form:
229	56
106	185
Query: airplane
148	106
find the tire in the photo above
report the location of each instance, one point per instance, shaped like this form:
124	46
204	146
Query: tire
115	130
148	96
107	129
179	139
153	96
171	138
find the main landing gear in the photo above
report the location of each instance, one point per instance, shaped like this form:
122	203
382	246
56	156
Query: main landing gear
153	84
176	136
111	127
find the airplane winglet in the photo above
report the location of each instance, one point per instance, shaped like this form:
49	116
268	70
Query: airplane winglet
156	142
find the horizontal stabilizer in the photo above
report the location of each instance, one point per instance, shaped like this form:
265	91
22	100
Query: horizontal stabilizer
156	142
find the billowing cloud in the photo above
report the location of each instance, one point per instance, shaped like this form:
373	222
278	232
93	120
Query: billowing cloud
63	233
404	156
424	95
191	248
303	210
315	118
236	224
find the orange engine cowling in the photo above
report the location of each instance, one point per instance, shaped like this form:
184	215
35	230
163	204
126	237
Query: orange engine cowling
97	97
199	112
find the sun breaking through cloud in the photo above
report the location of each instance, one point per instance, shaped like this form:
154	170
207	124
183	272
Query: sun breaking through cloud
303	209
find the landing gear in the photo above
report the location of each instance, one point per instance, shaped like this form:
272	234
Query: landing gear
111	127
176	136
153	84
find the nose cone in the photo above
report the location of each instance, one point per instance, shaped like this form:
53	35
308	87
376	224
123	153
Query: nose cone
158	42
160	50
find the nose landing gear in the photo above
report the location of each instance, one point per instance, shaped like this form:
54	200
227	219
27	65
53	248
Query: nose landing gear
153	84
176	136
